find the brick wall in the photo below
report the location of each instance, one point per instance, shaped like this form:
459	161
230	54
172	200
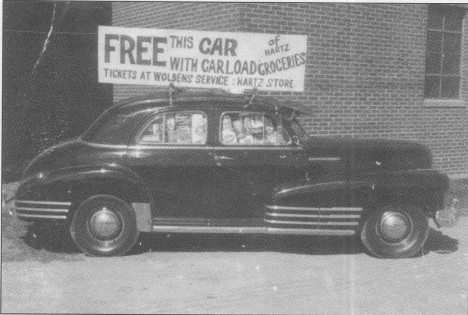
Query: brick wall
206	16
364	72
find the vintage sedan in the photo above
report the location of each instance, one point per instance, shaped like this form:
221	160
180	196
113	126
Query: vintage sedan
211	162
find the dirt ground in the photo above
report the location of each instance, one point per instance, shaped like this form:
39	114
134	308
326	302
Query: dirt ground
43	273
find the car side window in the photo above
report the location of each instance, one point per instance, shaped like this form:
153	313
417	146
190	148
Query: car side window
110	129
187	127
249	128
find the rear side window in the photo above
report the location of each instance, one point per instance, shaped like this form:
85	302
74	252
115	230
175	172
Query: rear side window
248	128
111	128
187	127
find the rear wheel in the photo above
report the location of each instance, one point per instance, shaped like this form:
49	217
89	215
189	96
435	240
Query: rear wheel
395	231
104	225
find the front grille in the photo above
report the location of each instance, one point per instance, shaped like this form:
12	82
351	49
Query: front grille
53	210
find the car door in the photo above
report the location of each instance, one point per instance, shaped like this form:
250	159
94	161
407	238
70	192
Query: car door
171	153
319	197
325	167
252	156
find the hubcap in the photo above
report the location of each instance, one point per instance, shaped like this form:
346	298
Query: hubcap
104	224
395	226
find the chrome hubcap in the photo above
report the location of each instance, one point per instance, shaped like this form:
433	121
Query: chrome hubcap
395	226
104	224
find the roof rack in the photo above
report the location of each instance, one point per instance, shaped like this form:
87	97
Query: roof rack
173	91
286	107
253	94
214	91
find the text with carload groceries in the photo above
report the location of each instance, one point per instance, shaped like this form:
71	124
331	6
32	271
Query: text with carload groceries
230	61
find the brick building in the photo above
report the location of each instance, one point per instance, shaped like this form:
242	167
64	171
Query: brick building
373	70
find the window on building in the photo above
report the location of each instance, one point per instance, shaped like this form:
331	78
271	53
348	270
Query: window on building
443	55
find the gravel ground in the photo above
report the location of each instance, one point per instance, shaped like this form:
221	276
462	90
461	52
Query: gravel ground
218	275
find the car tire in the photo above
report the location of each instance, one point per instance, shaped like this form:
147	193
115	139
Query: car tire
104	225
395	231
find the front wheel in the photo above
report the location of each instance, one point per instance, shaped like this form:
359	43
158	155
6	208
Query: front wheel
104	225
395	231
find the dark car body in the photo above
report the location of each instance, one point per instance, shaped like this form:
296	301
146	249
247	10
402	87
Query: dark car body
178	162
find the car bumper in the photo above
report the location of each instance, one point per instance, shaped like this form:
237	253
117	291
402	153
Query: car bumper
447	217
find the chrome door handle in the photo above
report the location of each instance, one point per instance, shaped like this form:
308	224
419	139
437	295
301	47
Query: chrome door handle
222	157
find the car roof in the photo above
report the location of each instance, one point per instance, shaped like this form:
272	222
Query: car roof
211	98
164	98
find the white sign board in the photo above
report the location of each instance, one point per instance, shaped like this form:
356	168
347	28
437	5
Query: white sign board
230	61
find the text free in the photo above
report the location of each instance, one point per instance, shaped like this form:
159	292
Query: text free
137	51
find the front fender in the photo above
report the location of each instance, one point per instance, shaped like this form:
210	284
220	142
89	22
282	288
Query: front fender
305	187
424	186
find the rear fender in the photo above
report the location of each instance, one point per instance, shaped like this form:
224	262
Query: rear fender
75	184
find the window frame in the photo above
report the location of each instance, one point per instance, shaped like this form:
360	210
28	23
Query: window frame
163	114
447	12
242	145
95	135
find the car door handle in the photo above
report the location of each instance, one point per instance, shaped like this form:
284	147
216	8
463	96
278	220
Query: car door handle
222	157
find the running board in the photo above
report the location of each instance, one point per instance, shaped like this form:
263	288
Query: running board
249	230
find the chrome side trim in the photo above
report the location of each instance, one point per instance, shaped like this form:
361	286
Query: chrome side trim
292	208
341	209
310	223
314	159
44	202
331	216
208	229
41	209
111	146
293	215
44	209
41	216
252	230
310	232
314	209
170	146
